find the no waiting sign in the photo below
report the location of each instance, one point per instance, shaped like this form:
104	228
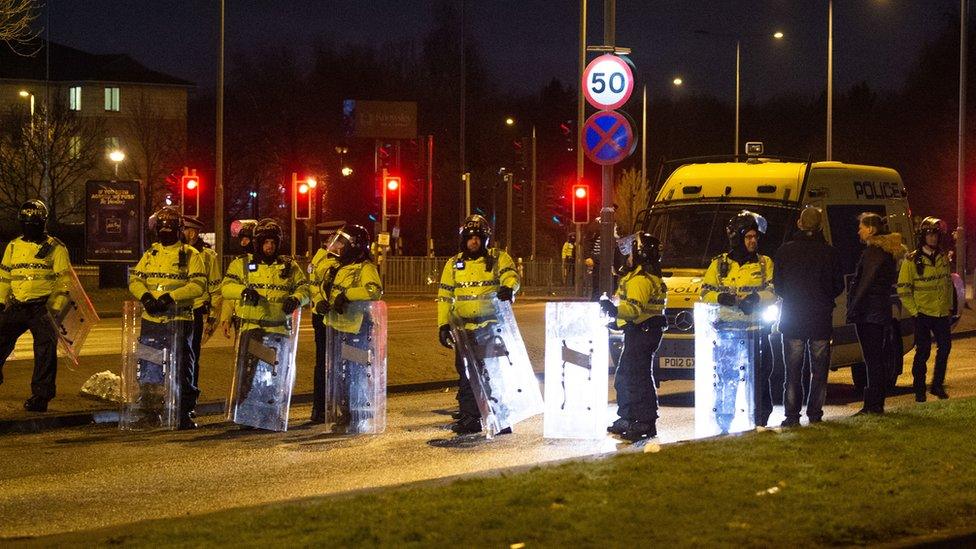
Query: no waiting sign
608	138
608	82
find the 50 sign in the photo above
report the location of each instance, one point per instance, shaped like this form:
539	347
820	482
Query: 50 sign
608	82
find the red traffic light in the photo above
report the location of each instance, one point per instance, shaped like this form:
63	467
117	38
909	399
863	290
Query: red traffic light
190	195
303	188
393	183
581	203
391	190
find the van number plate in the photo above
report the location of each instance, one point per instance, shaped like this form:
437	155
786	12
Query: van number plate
677	362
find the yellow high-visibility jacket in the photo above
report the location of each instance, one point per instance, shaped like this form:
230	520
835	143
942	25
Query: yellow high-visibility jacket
274	283
568	248
642	295
467	287
25	276
359	281
212	295
176	269
315	280
929	293
740	280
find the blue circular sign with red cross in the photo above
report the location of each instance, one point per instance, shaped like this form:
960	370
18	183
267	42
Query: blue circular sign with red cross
608	137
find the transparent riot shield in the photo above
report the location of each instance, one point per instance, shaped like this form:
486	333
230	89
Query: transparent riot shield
726	361
577	371
355	366
264	376
72	315
150	386
498	368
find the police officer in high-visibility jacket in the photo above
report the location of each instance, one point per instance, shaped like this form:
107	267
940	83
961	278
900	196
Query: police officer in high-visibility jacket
168	279
245	236
265	286
468	283
926	292
206	307
346	275
642	297
35	267
322	259
742	278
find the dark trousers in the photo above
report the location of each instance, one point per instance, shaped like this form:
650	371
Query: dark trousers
465	394
926	327
872	339
17	319
817	352
184	357
318	374
569	271
634	378
198	315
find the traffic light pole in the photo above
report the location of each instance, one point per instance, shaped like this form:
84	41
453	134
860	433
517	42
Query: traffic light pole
509	178
294	209
219	153
383	216
578	283
607	241
532	254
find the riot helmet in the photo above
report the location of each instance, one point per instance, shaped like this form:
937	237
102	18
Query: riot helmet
740	224
168	224
267	229
243	231
474	225
33	220
646	251
350	244
931	225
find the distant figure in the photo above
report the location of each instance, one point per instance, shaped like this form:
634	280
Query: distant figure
869	302
569	260
808	277
926	292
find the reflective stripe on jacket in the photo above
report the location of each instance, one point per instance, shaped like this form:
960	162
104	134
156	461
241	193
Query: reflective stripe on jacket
467	286
177	270
642	296
928	293
740	280
359	281
24	276
274	283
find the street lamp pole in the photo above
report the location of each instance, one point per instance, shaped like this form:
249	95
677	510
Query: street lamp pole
961	174
219	152
830	79
532	253
738	73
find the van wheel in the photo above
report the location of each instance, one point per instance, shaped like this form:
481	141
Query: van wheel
859	375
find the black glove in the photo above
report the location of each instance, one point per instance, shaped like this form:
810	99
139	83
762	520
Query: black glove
164	302
444	334
339	305
322	308
726	299
748	303
2	307
608	307
148	302
290	304
505	293
250	296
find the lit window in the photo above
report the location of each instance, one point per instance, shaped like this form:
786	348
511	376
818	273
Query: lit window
74	146
74	98
112	99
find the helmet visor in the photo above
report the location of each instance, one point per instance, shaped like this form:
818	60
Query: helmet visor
339	243
626	244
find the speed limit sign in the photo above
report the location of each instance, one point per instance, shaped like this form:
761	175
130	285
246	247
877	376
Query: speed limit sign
608	82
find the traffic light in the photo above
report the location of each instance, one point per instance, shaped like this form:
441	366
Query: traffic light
303	200
392	185
581	203
190	195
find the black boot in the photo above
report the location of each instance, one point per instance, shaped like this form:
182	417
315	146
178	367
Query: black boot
467	425
619	426
639	430
937	390
318	416
36	404
186	423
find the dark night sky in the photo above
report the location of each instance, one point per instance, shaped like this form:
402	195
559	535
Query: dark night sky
526	42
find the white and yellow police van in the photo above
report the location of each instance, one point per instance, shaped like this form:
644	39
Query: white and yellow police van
690	212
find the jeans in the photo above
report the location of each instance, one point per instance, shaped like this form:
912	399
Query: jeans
795	351
925	327
872	339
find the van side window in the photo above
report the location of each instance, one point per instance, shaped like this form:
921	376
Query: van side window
843	232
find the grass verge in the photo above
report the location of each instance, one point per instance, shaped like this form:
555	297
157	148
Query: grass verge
856	481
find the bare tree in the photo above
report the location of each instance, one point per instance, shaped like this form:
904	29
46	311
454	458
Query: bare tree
16	22
157	147
630	196
50	156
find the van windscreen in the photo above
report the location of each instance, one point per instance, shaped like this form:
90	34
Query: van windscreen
692	234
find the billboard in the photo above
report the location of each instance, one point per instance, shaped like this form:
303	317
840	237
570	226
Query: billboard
380	119
113	221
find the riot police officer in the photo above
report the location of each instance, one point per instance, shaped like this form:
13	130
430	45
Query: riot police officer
265	287
168	279
322	259
32	271
468	282
245	236
640	314
346	275
207	306
742	279
926	292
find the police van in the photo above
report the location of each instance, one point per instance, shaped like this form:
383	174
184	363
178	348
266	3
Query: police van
690	212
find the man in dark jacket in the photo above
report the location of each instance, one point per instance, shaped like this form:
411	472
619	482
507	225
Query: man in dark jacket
808	277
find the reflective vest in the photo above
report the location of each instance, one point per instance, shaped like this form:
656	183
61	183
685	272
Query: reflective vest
177	270
212	295
642	296
929	292
568	248
274	283
725	275
359	281
467	286
315	280
31	271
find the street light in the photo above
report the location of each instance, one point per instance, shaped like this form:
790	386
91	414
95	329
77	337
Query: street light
116	156
778	35
510	122
677	81
346	171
